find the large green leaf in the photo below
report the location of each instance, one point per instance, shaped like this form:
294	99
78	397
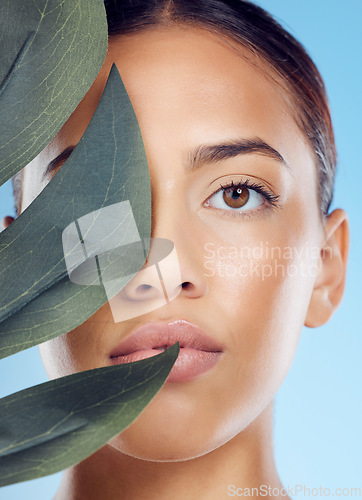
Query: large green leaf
109	165
56	425
50	54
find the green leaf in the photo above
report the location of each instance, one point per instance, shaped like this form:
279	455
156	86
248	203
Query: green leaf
109	165
56	425
50	53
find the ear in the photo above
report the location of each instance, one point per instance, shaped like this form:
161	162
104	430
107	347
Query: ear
329	284
6	221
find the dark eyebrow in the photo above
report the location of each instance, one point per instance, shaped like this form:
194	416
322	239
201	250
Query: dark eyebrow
202	154
214	153
61	158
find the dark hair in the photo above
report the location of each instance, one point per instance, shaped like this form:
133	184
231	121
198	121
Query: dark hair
257	31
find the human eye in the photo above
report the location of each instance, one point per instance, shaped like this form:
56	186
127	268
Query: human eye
243	196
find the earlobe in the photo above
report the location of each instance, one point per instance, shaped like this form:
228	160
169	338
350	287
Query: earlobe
6	221
329	283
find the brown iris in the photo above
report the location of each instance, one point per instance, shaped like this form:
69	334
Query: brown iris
236	197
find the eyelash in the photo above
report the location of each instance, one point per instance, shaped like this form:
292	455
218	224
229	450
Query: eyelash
259	188
271	199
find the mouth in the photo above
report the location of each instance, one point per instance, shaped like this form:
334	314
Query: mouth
198	352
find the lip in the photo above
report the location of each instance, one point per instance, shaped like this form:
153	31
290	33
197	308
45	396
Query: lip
198	351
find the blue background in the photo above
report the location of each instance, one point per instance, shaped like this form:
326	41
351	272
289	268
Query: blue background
318	439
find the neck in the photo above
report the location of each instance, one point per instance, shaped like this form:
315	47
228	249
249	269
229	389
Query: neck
246	461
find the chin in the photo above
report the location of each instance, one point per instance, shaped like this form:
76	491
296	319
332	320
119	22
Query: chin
177	448
172	430
179	433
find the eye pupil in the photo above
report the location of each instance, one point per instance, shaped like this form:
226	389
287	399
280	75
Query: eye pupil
236	197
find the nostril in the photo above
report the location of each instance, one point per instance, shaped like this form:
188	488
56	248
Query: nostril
186	285
143	288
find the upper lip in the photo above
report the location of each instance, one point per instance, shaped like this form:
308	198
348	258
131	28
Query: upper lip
160	335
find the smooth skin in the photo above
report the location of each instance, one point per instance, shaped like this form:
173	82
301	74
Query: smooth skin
192	88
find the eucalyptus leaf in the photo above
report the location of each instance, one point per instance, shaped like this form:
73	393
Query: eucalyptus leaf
50	53
38	301
55	425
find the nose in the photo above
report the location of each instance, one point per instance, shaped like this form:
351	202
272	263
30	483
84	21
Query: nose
173	270
160	281
170	271
165	273
160	277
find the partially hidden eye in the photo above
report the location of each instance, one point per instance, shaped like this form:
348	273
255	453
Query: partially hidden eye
236	197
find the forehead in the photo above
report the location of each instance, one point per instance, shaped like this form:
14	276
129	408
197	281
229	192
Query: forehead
191	83
198	77
189	87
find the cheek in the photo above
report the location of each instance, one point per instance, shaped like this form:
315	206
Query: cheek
32	181
78	350
56	358
268	284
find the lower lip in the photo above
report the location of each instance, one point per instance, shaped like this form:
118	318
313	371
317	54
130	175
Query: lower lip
190	362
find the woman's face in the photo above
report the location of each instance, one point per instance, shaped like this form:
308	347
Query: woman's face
250	266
